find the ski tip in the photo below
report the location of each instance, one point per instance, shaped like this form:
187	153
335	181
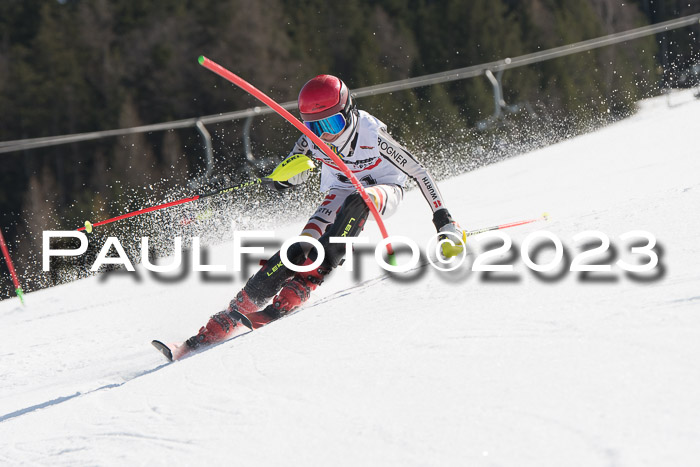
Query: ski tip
164	349
245	321
201	59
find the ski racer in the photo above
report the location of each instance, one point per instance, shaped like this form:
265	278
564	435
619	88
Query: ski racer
382	166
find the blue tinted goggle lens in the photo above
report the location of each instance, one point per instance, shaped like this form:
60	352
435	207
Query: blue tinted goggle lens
331	125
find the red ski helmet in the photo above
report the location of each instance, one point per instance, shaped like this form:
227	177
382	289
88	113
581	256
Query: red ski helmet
323	96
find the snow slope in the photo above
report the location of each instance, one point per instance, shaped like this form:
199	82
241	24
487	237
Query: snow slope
464	368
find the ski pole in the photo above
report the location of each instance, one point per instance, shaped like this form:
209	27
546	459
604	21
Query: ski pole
471	233
88	225
11	267
290	167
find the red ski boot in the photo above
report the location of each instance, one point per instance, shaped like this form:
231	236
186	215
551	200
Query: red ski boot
225	324
297	291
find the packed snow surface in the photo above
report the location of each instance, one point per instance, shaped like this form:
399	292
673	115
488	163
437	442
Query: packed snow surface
471	368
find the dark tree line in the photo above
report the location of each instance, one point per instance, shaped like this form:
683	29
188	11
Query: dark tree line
77	66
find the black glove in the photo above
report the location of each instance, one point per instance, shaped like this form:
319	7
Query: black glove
441	218
449	230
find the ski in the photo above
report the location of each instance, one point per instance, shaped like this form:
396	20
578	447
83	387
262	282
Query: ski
164	349
257	319
175	352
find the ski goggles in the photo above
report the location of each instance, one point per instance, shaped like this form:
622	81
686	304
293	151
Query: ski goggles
331	125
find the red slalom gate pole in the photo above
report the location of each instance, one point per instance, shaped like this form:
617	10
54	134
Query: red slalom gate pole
471	233
255	92
11	267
